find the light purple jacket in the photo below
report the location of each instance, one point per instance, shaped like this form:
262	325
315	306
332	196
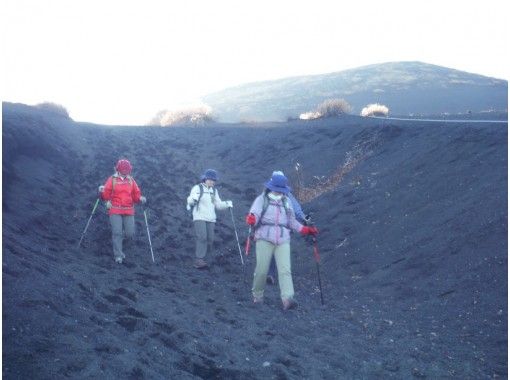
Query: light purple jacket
274	227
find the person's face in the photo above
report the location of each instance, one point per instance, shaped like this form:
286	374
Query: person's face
209	182
276	193
122	175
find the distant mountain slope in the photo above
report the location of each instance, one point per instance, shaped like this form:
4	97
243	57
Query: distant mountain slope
405	87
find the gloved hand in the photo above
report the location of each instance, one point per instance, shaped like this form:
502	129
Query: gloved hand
229	204
108	205
251	219
309	230
100	188
143	200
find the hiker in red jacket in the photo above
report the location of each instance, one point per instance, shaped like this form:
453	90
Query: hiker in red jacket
121	193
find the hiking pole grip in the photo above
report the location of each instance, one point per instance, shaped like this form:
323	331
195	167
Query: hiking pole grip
88	222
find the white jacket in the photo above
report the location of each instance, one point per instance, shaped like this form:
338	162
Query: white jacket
209	203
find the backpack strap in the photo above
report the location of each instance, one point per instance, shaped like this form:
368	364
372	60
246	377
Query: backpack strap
201	187
265	205
286	204
114	177
199	197
215	192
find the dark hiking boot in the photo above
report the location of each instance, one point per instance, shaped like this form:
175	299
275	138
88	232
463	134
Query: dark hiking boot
200	264
289	304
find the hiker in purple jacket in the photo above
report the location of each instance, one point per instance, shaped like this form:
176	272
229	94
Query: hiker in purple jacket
301	218
272	217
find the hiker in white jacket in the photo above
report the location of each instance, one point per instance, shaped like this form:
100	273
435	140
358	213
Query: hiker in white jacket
204	201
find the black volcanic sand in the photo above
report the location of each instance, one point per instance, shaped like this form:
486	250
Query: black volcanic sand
413	244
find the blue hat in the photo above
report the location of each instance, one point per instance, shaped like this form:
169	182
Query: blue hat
278	183
281	173
210	174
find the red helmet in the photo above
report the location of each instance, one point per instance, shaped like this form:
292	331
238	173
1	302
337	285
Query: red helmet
123	167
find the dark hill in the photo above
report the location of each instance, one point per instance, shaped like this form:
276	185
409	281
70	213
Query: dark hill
407	88
413	243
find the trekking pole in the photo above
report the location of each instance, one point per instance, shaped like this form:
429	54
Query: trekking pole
317	261
247	247
88	222
308	222
148	233
237	237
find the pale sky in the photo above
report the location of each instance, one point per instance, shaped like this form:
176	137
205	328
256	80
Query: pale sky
120	62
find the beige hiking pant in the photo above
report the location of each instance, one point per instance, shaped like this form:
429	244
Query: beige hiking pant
264	252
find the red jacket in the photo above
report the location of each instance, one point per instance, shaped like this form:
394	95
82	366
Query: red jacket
123	195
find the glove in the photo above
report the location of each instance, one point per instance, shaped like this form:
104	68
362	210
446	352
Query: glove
229	204
251	219
100	188
143	200
306	230
108	205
